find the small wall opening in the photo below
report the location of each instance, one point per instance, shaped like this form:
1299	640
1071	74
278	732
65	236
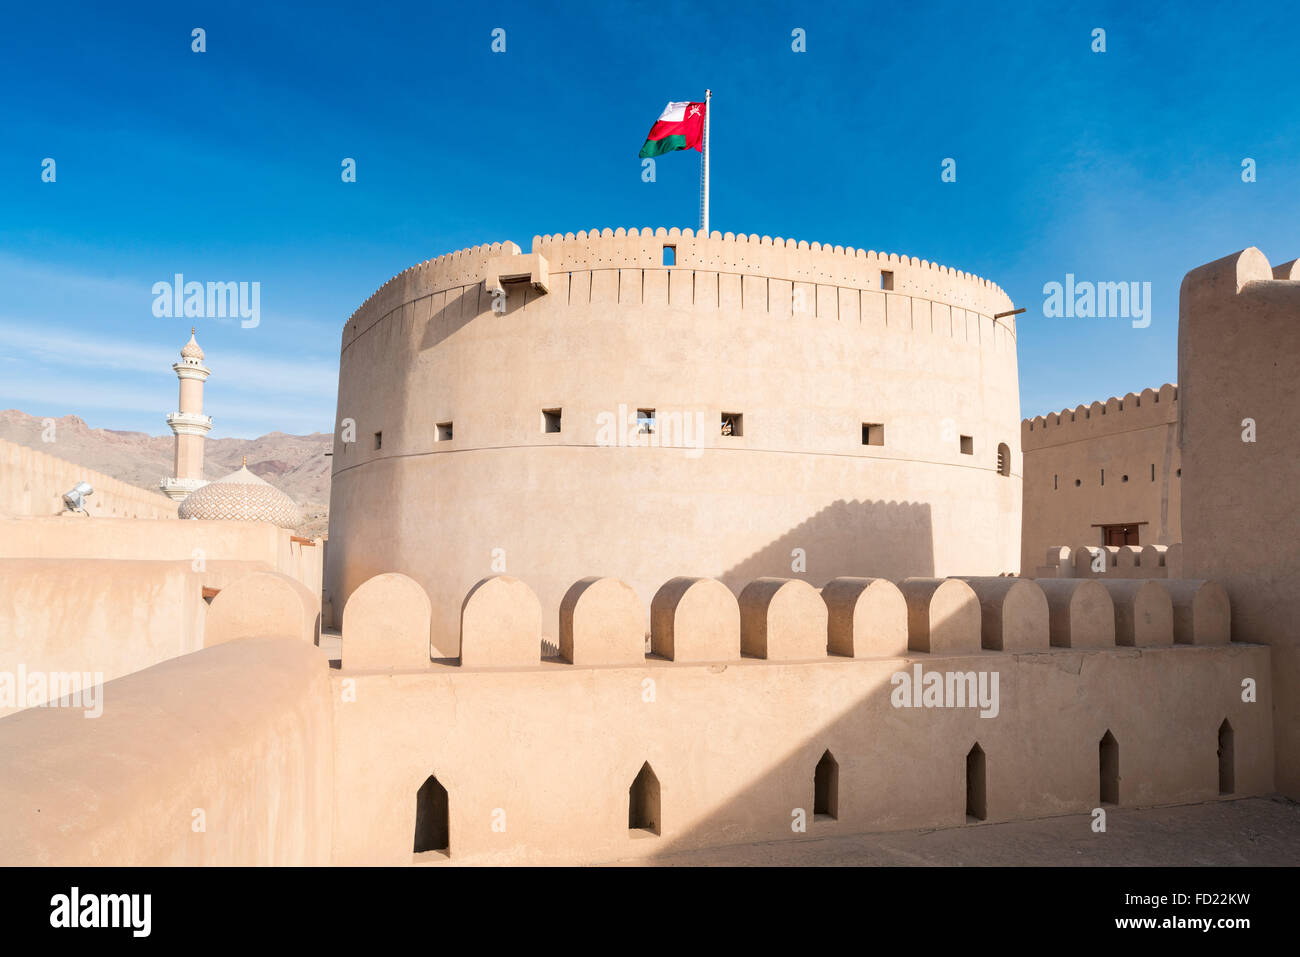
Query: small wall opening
1227	767
1056	482
379	440
670	255
886	279
1153	471
645	421
826	788
976	806
873	433
1129	534
432	821
1108	761
643	805
444	432
733	424
968	445
1004	459
550	420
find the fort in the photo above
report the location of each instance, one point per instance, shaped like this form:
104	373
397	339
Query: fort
843	368
654	674
1114	466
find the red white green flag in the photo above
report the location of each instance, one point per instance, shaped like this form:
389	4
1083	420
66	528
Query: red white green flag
679	127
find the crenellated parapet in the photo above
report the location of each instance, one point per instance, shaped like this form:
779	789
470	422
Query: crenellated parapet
1135	410
789	259
745	708
785	620
1113	561
788	277
464	267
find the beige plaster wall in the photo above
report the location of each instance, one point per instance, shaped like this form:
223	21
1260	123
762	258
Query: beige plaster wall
537	758
1238	359
199	543
801	340
549	752
33	483
113	596
221	757
95	616
1134	437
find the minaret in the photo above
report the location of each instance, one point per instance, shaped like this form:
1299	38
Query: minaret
190	425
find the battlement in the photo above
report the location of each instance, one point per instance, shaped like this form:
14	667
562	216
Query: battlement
762	255
726	254
1149	408
783	702
386	620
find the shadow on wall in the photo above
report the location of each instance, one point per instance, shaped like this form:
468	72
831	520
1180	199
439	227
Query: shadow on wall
461	305
803	793
893	540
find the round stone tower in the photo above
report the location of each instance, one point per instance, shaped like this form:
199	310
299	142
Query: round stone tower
645	404
189	424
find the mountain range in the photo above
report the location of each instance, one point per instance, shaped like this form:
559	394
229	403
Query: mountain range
295	464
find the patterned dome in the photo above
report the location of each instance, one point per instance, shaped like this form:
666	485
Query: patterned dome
191	349
241	497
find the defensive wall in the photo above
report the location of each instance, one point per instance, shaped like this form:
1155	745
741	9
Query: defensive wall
111	596
221	757
33	483
1110	463
197	542
754	713
1239	373
494	401
776	716
1112	561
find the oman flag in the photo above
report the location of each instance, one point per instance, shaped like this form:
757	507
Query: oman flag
680	127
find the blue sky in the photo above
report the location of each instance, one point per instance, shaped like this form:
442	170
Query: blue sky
1115	166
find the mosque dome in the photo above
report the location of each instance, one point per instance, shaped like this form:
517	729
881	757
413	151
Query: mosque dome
241	497
191	349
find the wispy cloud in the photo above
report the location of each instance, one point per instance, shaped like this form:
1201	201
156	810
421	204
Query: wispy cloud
241	372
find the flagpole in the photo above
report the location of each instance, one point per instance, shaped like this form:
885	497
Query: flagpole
704	166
